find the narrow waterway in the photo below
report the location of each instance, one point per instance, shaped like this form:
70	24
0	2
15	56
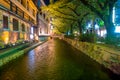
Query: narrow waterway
55	60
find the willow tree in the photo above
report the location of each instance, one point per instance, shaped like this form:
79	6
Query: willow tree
69	10
60	25
104	9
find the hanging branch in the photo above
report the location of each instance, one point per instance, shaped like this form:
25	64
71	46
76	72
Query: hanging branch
64	13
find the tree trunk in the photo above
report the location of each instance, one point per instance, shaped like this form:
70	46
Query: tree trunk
71	29
110	28
80	27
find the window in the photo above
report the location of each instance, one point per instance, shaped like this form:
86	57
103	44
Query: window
40	11
5	22
21	1
27	5
23	27
15	25
44	16
33	12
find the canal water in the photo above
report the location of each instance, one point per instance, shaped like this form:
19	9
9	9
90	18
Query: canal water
55	60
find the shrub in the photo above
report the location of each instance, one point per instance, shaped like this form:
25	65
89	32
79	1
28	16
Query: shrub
112	40
70	36
88	37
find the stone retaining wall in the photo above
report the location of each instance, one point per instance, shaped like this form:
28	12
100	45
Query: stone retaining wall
8	56
108	57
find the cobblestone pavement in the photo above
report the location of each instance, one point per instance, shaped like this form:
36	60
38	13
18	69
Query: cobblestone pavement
54	60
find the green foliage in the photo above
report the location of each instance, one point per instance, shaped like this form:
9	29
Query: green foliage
60	25
103	9
2	45
101	39
67	13
112	40
88	37
76	12
70	36
106	63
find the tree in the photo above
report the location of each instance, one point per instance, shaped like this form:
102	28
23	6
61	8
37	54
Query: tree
103	8
60	25
68	10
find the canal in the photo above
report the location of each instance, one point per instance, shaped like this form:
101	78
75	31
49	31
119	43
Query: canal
55	60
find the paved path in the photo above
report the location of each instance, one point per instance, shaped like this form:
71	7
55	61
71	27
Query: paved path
55	60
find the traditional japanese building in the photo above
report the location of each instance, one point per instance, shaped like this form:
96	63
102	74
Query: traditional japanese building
17	21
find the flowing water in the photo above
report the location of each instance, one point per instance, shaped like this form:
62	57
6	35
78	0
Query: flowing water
55	60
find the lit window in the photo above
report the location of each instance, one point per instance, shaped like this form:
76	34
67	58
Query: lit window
117	29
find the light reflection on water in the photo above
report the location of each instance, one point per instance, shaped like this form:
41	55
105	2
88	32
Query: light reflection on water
31	59
54	60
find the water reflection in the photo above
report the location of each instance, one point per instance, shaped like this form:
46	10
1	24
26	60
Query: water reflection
54	60
31	59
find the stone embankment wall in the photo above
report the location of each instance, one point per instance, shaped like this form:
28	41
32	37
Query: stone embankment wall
14	53
108	57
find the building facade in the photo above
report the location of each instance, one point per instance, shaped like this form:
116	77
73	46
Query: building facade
43	21
17	21
117	13
116	17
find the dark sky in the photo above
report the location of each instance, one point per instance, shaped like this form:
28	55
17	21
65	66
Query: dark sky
47	2
38	2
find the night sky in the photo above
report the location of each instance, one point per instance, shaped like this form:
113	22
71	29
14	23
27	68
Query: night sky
37	2
47	2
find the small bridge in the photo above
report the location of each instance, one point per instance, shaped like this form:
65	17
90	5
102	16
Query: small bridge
43	37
